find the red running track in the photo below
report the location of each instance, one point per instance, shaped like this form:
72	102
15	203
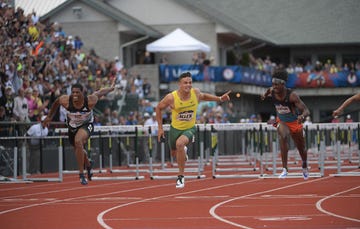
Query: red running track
327	202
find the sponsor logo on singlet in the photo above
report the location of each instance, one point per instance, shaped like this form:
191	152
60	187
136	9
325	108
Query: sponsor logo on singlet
185	116
282	109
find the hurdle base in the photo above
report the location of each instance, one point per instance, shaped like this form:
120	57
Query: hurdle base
173	177
117	178
346	174
7	180
129	171
237	176
235	169
176	170
77	171
44	179
291	175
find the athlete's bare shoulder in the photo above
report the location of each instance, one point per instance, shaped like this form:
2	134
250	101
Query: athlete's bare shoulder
64	100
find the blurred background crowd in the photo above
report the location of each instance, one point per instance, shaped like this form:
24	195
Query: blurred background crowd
39	62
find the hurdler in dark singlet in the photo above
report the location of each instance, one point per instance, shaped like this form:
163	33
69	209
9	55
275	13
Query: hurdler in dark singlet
79	118
286	112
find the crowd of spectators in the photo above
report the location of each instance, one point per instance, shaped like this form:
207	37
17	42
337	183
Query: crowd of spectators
39	62
267	65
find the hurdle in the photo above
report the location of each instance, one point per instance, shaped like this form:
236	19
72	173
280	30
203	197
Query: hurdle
322	150
125	131
292	169
14	169
192	167
107	132
252	144
100	170
25	177
340	167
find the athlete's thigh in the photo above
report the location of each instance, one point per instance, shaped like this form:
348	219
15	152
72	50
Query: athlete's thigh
82	135
283	130
182	140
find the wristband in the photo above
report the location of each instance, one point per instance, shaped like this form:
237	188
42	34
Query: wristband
220	99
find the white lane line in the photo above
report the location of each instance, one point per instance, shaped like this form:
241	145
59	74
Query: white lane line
265	218
78	198
67	189
318	205
213	209
83	197
100	217
200	197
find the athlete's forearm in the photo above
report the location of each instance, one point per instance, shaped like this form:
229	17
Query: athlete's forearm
348	102
53	109
209	97
103	91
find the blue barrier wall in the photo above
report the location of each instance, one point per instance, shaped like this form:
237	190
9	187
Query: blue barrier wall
247	75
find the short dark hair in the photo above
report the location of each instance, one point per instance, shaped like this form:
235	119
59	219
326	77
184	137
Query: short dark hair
280	73
77	85
184	75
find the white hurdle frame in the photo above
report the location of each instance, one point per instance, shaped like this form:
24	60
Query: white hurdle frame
257	126
24	175
231	126
321	151
341	173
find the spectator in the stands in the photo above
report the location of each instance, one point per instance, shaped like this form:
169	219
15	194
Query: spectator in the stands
7	101
348	118
78	44
290	69
114	118
40	105
138	83
307	120
118	64
31	103
21	111
298	68
164	59
131	119
147	58
333	69
308	67
146	88
4	128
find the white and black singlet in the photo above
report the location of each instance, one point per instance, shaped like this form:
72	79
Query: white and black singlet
79	118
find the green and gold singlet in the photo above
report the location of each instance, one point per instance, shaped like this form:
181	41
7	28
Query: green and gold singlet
184	113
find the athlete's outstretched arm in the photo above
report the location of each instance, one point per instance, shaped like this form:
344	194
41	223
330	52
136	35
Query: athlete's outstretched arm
101	92
347	102
209	97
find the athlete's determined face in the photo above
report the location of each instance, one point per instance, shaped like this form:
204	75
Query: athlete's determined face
77	94
278	85
185	84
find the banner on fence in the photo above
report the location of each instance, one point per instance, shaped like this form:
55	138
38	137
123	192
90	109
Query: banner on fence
247	75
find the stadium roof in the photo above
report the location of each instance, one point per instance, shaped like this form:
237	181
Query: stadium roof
286	22
41	7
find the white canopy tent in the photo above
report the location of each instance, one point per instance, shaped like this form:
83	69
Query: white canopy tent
177	41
